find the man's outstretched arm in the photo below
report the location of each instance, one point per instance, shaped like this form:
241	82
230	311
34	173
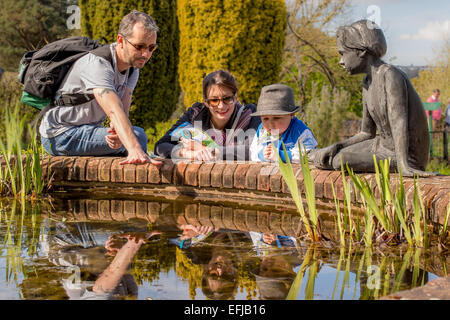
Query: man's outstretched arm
110	102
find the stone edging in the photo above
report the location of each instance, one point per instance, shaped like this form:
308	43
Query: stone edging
251	181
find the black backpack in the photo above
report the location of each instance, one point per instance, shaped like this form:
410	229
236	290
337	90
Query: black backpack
43	71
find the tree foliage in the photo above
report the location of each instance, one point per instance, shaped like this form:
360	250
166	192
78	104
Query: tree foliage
244	37
437	76
311	58
156	94
327	109
29	25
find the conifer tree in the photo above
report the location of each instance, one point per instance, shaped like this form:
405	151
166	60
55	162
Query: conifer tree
156	94
244	37
29	25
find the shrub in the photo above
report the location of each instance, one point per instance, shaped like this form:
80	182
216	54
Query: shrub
244	37
156	94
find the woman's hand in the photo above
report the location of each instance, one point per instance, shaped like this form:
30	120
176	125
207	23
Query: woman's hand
190	231
194	150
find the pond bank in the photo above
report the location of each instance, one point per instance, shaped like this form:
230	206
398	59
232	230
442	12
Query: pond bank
438	289
227	182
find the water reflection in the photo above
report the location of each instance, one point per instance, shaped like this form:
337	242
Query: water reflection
112	249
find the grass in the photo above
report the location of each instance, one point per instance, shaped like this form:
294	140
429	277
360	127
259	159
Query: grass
440	166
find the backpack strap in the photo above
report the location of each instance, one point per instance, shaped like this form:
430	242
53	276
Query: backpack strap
81	98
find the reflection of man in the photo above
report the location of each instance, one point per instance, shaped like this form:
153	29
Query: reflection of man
435	114
83	250
76	129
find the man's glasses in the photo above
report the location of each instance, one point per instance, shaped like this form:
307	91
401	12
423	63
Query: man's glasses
214	102
141	47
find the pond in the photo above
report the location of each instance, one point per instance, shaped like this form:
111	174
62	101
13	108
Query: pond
94	249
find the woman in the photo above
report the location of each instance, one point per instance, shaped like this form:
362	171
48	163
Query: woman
218	128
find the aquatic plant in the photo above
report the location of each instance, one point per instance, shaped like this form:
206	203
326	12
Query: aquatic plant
21	171
393	221
297	283
311	221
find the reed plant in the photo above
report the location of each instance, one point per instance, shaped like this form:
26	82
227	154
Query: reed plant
393	222
297	283
386	215
443	229
310	220
21	171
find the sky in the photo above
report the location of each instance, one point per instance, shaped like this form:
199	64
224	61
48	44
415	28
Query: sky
414	29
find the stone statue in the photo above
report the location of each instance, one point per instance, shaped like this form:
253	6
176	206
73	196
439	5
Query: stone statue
391	107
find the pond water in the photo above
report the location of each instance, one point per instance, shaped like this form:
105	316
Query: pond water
94	249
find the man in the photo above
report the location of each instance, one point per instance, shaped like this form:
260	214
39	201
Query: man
435	114
77	130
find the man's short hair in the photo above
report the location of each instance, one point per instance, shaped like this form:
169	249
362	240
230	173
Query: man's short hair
128	22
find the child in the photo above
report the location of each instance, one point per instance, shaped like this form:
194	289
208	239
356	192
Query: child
279	125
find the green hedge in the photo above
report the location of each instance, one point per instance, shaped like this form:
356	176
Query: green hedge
157	91
244	37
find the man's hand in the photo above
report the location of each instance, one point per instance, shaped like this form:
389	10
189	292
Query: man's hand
139	157
113	139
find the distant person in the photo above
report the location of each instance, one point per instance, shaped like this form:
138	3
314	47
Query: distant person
435	114
76	130
279	125
447	116
1	73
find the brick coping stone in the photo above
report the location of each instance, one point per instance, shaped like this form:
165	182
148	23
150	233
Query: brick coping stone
225	180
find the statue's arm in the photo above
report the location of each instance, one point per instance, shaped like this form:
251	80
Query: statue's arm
368	128
323	158
397	107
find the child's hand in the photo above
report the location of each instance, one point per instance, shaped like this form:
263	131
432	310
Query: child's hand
269	153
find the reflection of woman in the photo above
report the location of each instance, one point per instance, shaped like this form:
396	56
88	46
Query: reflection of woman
218	264
220	116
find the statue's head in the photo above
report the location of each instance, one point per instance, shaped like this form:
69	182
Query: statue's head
357	41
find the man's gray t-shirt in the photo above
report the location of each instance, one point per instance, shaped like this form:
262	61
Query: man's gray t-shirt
87	73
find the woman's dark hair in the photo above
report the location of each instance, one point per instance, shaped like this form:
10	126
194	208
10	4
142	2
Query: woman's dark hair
221	78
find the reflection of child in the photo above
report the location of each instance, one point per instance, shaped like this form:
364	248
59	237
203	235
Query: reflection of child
279	126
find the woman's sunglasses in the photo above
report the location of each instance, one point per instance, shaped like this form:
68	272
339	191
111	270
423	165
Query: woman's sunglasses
214	102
